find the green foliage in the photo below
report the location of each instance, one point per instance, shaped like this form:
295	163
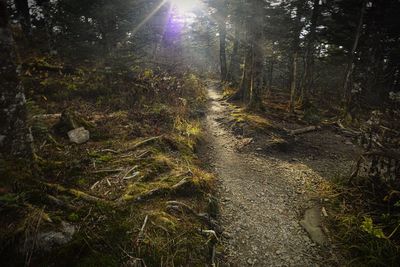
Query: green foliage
368	226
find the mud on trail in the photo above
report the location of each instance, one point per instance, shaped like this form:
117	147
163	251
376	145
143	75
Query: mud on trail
265	192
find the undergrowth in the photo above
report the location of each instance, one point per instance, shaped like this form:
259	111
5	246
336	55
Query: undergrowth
365	221
144	126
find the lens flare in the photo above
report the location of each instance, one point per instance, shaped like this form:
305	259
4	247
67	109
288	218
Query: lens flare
185	6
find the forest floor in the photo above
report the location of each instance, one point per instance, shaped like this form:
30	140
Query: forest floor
268	181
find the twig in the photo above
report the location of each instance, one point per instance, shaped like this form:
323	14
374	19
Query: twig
94	185
130	170
140	235
103	171
110	150
132	176
142	143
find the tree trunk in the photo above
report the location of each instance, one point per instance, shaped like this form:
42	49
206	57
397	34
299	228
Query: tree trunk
257	54
222	51
294	57
23	15
15	136
234	66
309	54
293	80
243	93
221	18
351	63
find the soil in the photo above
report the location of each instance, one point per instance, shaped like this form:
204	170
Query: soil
264	191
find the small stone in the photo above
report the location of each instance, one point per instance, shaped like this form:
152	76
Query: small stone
278	252
79	135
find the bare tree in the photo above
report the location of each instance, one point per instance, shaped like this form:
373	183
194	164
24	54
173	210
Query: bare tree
15	136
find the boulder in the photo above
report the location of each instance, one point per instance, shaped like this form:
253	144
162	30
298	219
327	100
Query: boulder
79	135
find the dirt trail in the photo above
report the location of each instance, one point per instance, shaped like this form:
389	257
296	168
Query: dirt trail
262	201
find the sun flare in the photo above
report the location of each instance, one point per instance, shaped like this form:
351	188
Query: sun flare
185	6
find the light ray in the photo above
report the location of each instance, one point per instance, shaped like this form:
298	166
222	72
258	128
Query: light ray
146	19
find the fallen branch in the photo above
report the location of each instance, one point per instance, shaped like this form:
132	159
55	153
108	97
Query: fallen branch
105	171
47	116
129	171
140	235
347	131
304	130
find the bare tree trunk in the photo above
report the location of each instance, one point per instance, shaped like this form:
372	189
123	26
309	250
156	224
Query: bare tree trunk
351	63
293	80
294	57
257	54
221	18
234	66
243	93
222	50
309	54
271	75
15	136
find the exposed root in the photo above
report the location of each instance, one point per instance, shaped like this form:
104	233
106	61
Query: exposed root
77	193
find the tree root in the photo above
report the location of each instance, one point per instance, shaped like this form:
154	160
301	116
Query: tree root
183	187
77	193
141	143
176	206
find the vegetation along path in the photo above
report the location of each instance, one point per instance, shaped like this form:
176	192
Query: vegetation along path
261	202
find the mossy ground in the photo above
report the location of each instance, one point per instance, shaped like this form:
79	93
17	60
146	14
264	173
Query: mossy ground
116	167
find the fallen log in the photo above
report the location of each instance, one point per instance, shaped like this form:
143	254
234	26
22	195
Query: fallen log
304	130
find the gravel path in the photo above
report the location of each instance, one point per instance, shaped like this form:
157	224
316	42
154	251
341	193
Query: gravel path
262	201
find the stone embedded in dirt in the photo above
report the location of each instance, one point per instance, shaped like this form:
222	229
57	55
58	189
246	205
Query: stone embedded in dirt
49	240
79	135
312	224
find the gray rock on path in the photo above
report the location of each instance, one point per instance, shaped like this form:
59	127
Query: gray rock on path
79	135
311	223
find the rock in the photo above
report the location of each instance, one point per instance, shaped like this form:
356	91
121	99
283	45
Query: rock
311	223
47	241
79	135
348	143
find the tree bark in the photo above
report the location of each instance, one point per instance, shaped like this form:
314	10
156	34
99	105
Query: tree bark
15	136
257	54
293	80
221	18
309	54
294	57
234	65
351	63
